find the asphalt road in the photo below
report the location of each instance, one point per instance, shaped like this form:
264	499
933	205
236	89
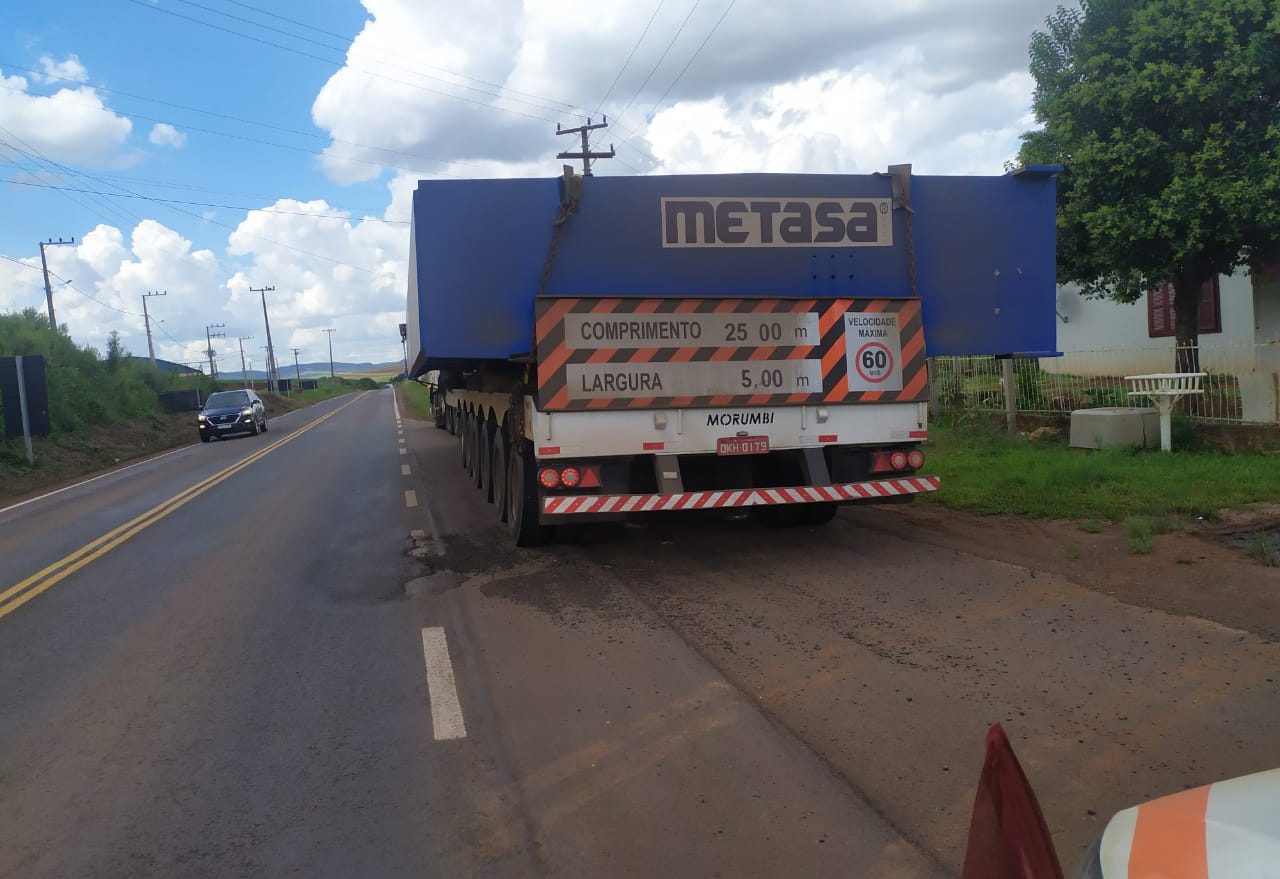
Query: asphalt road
322	658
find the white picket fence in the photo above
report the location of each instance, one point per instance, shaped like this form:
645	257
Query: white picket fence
1242	385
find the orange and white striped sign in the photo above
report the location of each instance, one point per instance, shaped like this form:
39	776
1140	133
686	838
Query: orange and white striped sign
1226	830
615	353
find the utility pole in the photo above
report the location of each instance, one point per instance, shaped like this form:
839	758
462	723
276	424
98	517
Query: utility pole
271	354
586	155
146	319
244	370
48	291
297	370
330	332
209	336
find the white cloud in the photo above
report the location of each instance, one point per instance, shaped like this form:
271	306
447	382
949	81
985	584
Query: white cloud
71	125
341	273
899	62
69	68
164	134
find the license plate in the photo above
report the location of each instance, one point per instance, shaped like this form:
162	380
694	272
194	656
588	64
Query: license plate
742	445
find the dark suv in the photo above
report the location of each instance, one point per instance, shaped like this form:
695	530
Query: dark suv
228	412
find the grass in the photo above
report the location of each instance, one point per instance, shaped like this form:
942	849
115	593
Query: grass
419	399
1090	526
1141	535
985	471
1265	551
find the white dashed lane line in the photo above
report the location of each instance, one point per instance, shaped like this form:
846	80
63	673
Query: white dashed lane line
411	498
446	711
404	469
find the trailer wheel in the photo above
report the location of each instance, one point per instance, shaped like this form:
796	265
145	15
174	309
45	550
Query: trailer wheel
781	516
441	415
818	514
464	434
482	456
450	420
471	442
522	499
500	475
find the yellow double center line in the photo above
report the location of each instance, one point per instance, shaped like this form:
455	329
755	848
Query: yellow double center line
20	593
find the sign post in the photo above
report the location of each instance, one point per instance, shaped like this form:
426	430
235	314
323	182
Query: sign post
22	405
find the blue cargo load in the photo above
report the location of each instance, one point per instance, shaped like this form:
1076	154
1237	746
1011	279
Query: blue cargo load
982	250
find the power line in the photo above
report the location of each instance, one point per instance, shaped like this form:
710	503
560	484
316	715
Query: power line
631	54
203	204
246	138
338	64
377	60
661	58
226	116
210	220
679	75
344	37
36	158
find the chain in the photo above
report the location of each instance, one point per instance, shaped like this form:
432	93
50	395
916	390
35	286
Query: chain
911	253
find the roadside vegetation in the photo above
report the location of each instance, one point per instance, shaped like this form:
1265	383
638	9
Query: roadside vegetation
104	407
419	399
985	471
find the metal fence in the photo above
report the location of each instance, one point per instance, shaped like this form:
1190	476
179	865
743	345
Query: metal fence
1242	384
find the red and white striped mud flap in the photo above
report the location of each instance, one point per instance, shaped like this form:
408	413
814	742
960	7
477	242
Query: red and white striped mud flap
568	505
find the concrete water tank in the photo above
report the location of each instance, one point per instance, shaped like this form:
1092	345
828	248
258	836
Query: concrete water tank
1115	427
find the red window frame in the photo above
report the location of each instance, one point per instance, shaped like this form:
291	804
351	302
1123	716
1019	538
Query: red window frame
1160	310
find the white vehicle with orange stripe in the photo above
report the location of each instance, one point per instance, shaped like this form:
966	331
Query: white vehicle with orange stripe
739	342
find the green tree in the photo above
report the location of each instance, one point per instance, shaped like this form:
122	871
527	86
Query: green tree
1166	116
115	351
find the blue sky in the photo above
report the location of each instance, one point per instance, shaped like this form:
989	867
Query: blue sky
417	88
145	52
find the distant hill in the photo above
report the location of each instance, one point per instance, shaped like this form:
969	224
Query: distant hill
167	365
315	370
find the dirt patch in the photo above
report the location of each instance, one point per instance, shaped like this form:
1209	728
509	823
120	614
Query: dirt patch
69	456
1196	571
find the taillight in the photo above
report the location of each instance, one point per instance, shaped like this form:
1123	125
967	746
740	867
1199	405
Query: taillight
915	459
549	477
898	461
570	477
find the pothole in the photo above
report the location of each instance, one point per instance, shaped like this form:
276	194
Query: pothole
433	584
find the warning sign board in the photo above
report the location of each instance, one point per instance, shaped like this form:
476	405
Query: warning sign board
651	353
873	343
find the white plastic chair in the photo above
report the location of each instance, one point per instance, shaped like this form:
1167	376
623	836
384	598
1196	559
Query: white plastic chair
1165	389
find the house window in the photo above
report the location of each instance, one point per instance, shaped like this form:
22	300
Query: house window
1160	310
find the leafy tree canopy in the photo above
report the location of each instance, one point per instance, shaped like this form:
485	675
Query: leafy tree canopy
1166	115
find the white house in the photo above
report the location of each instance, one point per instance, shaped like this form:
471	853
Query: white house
1239	335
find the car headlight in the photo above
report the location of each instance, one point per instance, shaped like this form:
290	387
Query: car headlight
200	417
247	412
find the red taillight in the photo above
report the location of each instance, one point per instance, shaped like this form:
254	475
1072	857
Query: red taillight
570	477
549	477
915	459
898	461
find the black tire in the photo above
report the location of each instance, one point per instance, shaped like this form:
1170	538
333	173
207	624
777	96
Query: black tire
464	435
522	499
817	514
780	516
500	475
440	418
483	456
253	428
204	438
264	425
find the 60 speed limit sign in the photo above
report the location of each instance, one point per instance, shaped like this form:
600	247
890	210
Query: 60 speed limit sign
873	351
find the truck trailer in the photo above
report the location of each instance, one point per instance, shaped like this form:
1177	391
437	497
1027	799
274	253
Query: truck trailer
611	346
